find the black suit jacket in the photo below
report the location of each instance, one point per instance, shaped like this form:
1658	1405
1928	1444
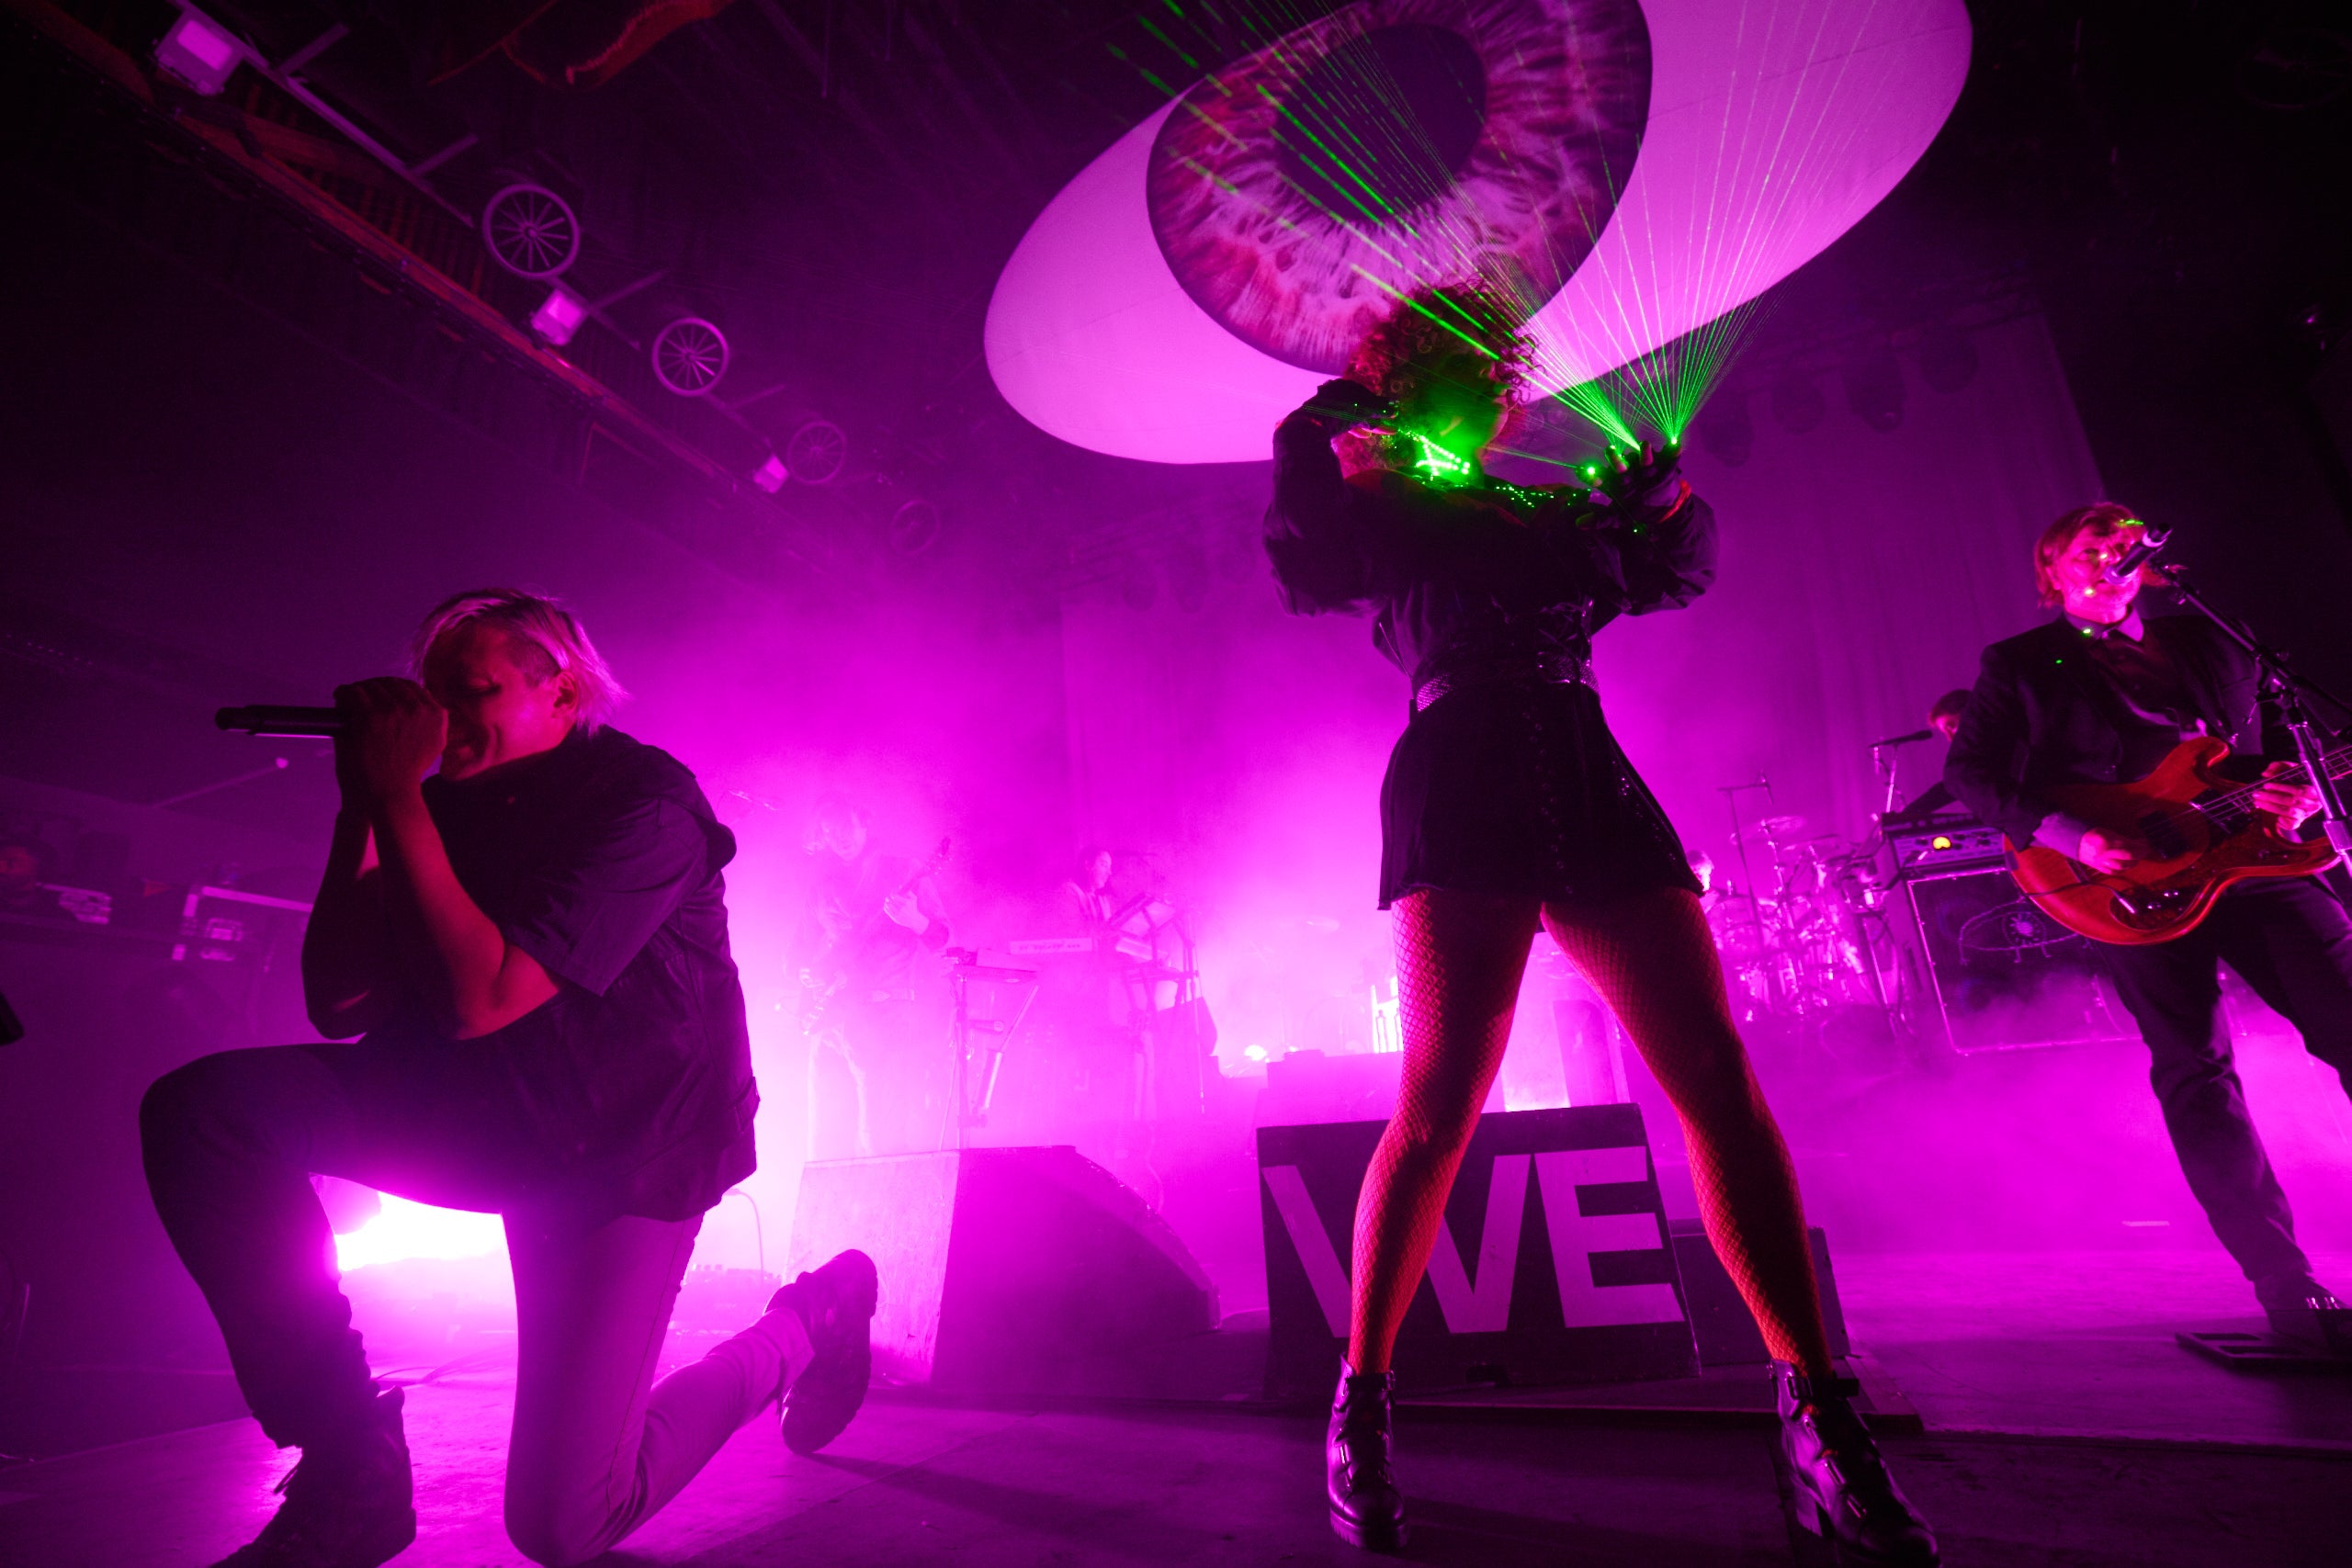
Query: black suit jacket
2041	713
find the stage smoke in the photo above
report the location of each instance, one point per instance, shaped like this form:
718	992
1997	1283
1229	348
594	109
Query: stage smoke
1726	431
1946	359
1874	390
1798	405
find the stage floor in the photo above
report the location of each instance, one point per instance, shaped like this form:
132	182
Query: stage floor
2063	1426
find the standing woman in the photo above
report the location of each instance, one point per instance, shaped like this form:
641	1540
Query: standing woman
1508	805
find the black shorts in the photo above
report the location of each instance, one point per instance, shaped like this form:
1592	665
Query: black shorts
1518	788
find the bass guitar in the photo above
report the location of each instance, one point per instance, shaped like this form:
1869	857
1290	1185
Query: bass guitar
2197	833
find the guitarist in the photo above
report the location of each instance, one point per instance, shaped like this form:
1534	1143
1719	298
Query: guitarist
872	914
2102	694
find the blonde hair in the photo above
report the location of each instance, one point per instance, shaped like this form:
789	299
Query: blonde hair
539	623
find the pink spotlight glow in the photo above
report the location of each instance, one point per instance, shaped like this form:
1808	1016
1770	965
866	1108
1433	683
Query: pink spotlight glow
403	1229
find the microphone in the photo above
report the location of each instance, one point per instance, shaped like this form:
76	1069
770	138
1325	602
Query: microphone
1902	740
264	719
2127	565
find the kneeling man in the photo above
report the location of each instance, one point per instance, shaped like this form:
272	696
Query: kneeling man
532	944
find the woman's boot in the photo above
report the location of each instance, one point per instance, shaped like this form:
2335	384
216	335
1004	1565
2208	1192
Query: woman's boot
1359	1478
1840	1490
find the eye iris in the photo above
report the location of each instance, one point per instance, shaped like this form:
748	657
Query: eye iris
1381	126
1392	146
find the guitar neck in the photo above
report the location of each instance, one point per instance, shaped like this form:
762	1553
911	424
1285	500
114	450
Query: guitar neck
2338	763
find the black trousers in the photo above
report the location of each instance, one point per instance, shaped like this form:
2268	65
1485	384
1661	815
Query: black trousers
2290	941
230	1141
598	1446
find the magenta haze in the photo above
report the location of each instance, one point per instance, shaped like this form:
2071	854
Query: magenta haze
1235	754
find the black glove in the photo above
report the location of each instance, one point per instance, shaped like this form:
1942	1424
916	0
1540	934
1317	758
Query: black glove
1646	476
1347	404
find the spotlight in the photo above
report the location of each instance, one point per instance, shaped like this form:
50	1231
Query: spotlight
1725	431
770	476
200	53
1798	404
561	316
1874	390
1947	358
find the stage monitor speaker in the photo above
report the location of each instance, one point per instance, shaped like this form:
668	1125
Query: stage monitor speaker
2005	974
1588	1294
1720	1320
1004	1271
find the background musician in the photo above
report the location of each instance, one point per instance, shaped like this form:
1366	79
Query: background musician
1943	718
1085	905
876	1032
2103	694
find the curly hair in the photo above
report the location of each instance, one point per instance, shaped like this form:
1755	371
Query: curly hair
1431	335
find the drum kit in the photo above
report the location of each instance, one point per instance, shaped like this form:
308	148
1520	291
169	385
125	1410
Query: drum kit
1803	933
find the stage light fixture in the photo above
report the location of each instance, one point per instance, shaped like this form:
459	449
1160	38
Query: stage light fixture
914	528
559	317
770	476
1874	390
1947	358
1798	404
1726	431
200	53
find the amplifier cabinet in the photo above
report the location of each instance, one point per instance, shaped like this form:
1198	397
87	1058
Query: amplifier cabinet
2004	975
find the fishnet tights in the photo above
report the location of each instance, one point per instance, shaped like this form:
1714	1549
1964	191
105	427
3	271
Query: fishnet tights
1459	959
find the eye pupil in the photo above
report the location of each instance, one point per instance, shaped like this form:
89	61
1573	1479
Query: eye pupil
1384	123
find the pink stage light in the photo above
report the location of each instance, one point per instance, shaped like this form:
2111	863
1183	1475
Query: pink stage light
1771	129
403	1229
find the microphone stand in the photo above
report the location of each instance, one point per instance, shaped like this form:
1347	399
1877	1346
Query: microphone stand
2284	685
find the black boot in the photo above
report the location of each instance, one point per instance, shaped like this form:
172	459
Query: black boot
2306	1312
349	1501
836	1303
1359	1479
1840	1490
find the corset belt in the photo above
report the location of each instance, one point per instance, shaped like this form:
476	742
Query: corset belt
1549	669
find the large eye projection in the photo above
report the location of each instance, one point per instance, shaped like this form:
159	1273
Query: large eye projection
1189	288
1392	145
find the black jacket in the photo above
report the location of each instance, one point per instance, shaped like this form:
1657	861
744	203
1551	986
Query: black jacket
630	1089
2041	713
1448	577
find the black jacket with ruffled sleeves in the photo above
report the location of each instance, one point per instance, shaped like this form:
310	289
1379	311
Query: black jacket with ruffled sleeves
1507	780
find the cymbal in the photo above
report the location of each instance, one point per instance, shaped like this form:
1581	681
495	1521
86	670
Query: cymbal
1782	825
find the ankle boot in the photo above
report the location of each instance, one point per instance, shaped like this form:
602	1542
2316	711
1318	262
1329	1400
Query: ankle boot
1840	1490
349	1501
836	1304
1360	1479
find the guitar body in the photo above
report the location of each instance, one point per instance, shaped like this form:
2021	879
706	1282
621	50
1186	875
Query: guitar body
2197	852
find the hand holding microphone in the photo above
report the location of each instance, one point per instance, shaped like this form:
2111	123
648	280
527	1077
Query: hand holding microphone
388	733
392	734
